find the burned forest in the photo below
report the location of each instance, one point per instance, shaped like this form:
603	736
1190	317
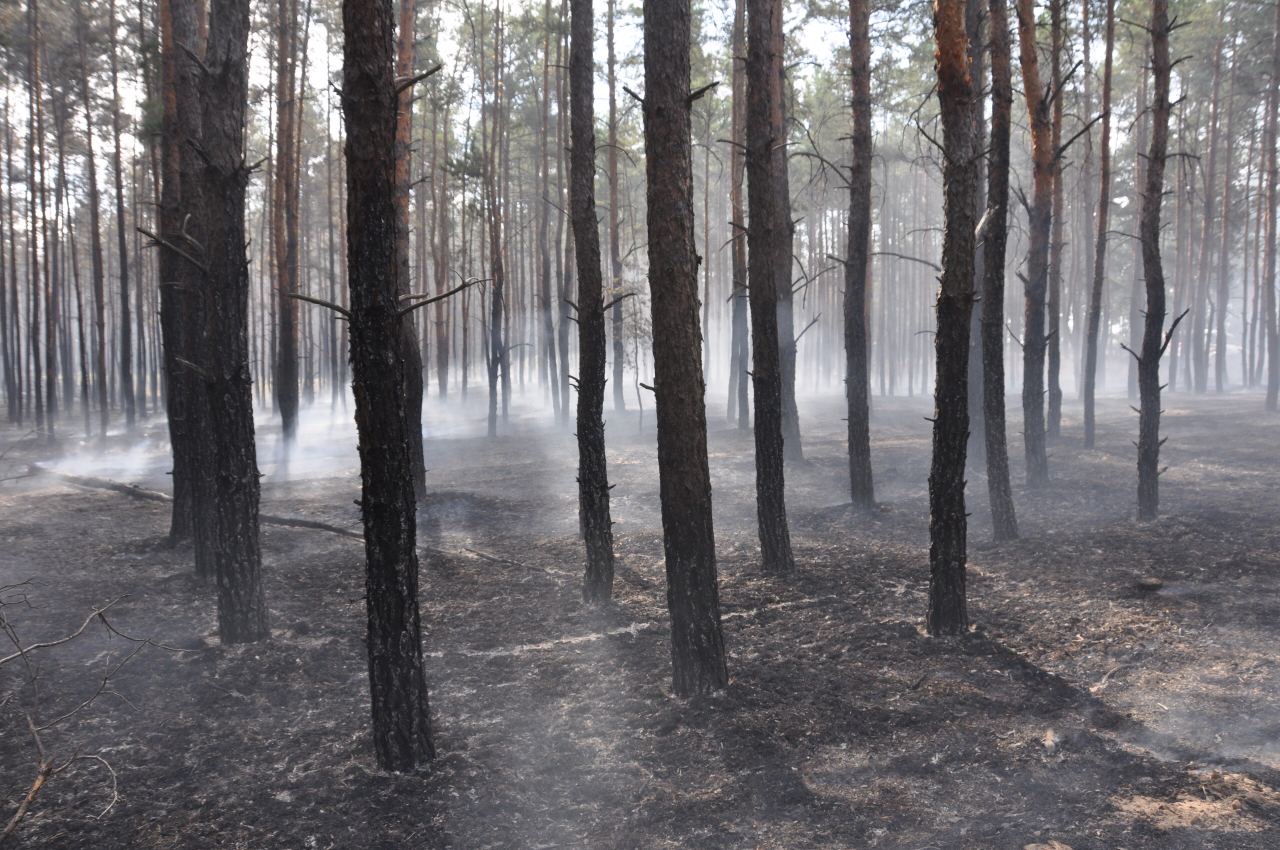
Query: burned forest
727	424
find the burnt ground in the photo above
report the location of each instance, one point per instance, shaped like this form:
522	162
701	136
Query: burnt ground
1083	709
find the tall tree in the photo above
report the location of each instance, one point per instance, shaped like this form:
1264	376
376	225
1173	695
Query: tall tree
180	278
1053	299
397	683
1094	320
1271	332
122	242
693	596
410	351
739	345
948	613
1039	105
615	241
284	224
857	261
593	475
1155	340
768	242
994	239
229	490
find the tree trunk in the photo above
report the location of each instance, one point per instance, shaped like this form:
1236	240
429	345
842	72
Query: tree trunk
1053	340
948	614
1154	338
769	223
410	351
1224	253
593	476
1036	281
122	242
1003	518
285	222
546	309
397	684
1269	275
615	242
697	643
229	492
180	279
1100	245
857	262
739	344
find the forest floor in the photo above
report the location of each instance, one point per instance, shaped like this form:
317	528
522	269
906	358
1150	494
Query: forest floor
1085	708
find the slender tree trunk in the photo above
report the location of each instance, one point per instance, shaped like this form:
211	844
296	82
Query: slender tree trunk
1003	518
1094	320
1269	275
547	308
697	643
180	279
768	225
615	243
1039	107
948	614
409	348
285	221
1154	338
397	684
857	262
1198	298
122	242
593	476
229	492
1224	253
1053	338
740	346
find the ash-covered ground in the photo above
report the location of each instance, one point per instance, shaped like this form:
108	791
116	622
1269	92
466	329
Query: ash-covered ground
1086	708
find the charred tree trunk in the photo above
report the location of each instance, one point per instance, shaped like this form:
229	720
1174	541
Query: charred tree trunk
948	613
615	241
995	236
547	308
593	475
1154	338
1094	321
739	345
122	242
857	262
285	222
1039	105
769	222
1053	305
229	491
693	597
180	279
410	351
397	684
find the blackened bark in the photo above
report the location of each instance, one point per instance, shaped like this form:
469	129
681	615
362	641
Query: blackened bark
180	279
397	684
948	612
697	643
615	246
593	475
547	309
856	262
739	345
1094	320
1036	282
122	242
285	222
768	242
229	494
995	237
1154	339
1053	300
410	350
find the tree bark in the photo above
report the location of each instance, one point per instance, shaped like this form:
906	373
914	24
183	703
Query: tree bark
1003	518
228	491
1053	338
285	222
593	475
739	345
122	242
1039	106
1269	275
1094	320
768	242
857	262
697	643
397	684
948	613
1154	338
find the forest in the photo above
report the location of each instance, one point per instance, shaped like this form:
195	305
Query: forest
680	424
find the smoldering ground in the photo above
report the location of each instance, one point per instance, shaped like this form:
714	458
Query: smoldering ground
1087	708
